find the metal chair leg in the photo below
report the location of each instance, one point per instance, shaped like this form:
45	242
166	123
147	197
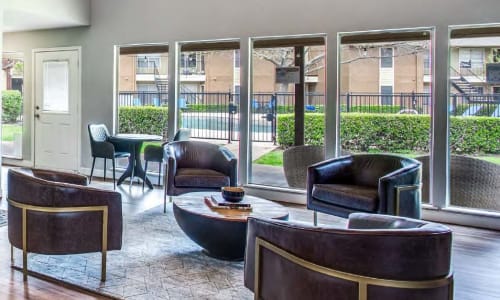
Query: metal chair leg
315	218
105	169
114	175
145	174
159	173
92	170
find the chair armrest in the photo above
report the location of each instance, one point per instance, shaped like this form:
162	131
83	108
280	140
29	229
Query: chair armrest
171	166
63	177
328	170
399	192
227	163
376	221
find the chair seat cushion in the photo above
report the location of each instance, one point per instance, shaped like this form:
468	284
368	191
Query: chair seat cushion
188	177
352	196
122	154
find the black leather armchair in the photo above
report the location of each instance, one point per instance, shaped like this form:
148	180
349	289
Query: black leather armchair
198	166
54	213
374	183
101	147
375	257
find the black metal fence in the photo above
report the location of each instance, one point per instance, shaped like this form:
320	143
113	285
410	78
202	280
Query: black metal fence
216	115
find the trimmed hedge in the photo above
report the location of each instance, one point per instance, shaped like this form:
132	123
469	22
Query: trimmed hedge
396	133
142	119
12	105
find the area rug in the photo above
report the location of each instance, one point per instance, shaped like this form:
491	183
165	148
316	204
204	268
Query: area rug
157	261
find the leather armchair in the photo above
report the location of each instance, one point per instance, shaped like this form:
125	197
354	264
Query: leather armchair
155	153
198	166
61	215
374	183
375	257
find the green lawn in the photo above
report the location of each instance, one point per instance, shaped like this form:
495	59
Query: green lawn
273	158
9	131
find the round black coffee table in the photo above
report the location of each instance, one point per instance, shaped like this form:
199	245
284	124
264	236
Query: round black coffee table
222	233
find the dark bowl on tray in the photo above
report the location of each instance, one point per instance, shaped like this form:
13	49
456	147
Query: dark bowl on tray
232	193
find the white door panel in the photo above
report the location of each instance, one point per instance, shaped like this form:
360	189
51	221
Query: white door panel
57	81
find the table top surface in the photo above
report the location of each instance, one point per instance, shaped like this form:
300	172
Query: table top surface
195	203
136	137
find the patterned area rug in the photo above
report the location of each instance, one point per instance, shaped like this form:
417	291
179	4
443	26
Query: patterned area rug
3	218
157	261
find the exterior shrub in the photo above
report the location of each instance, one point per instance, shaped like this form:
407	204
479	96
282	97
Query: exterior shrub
362	132
12	105
142	119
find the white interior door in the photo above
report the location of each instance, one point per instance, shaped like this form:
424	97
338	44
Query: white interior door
56	111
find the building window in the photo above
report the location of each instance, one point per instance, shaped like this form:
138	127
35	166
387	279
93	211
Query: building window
386	91
386	57
192	63
146	64
236	58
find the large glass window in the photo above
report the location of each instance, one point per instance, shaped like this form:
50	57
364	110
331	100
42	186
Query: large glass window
12	104
209	103
385	100
286	110
474	136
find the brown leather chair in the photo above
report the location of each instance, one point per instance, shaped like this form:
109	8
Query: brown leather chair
155	153
373	183
198	166
53	213
376	257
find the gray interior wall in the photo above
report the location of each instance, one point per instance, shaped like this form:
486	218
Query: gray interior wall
115	22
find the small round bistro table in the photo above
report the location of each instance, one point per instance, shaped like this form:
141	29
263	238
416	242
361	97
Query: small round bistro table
221	232
134	142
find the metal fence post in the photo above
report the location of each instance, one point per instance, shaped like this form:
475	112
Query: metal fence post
230	108
348	102
454	104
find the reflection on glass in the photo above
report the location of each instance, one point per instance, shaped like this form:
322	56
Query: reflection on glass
12	104
279	91
56	86
474	122
385	99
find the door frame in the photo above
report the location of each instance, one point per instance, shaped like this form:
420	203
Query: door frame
78	100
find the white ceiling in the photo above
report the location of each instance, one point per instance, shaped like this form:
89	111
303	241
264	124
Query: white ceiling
44	14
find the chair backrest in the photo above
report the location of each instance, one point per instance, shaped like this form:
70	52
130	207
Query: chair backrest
183	134
98	132
288	268
195	154
367	169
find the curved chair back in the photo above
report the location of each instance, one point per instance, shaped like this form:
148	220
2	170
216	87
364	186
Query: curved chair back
367	169
386	258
